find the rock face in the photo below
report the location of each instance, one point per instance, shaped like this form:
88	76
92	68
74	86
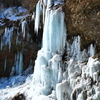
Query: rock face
83	18
30	4
8	3
66	66
16	45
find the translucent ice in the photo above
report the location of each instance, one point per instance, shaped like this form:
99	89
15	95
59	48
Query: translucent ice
54	31
91	50
6	38
48	61
24	23
19	62
37	18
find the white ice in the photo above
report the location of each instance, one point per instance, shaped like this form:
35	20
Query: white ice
24	25
19	62
6	38
37	18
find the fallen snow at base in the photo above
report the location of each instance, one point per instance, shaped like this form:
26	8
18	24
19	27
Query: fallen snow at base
28	89
9	92
12	81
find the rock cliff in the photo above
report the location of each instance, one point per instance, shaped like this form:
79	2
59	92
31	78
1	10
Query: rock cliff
83	18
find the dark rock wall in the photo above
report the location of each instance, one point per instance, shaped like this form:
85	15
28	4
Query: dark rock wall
8	3
29	4
83	18
27	47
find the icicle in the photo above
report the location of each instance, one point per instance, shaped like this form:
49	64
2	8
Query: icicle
33	16
17	62
24	23
37	18
6	38
55	67
91	50
1	44
54	31
45	2
44	13
5	65
20	62
60	74
12	71
78	47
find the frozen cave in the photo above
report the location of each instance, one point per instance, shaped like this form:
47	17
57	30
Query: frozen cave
62	71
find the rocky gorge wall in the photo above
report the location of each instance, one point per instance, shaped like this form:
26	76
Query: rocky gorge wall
83	18
65	68
16	40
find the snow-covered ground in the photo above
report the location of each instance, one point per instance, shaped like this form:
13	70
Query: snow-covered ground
12	86
22	84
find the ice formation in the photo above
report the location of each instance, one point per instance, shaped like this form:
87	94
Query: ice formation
38	14
71	79
49	57
24	23
6	38
18	62
63	71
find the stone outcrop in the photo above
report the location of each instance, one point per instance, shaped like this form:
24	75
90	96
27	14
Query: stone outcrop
83	18
29	4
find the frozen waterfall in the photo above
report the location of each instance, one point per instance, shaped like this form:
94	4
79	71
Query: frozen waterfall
49	57
65	69
67	78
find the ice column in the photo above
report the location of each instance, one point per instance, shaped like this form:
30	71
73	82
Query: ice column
19	62
37	18
54	35
6	38
91	50
50	3
48	59
24	23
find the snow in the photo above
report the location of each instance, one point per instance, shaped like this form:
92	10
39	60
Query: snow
54	31
13	13
21	9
